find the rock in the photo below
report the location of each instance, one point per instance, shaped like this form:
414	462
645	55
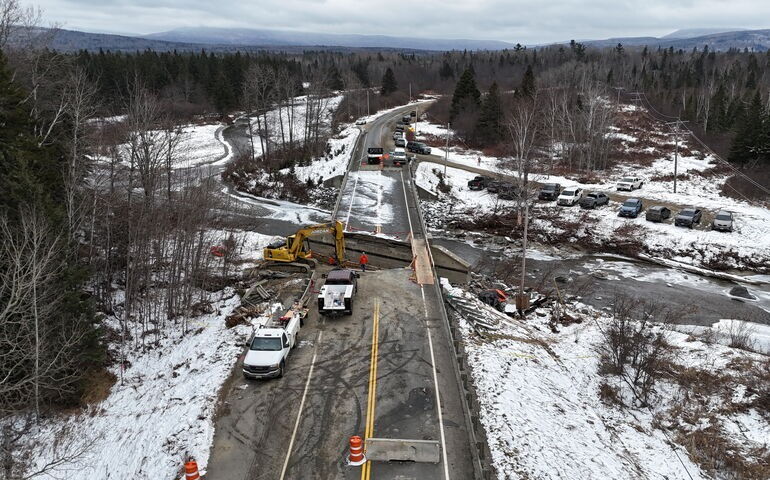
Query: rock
741	291
562	279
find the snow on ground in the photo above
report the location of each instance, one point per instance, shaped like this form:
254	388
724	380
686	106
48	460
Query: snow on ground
282	209
368	199
201	144
540	404
163	411
749	241
336	162
291	119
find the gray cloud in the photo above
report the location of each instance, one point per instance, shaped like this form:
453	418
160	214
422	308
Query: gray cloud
513	20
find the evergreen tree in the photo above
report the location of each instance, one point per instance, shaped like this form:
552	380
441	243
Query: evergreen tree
489	128
527	87
335	79
466	94
446	71
389	84
750	142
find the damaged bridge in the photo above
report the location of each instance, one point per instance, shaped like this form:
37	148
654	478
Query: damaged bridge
389	253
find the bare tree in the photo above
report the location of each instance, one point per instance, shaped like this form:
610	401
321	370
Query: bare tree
523	128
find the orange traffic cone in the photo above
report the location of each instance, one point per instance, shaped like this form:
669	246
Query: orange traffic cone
357	456
191	470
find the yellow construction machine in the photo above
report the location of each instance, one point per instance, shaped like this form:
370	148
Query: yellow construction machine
296	248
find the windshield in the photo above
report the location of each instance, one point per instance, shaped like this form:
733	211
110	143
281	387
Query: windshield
593	195
687	213
630	203
271	344
627	179
568	193
724	216
549	187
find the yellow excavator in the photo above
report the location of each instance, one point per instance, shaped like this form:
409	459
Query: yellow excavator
296	248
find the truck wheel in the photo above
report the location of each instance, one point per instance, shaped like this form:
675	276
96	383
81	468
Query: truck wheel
350	307
280	370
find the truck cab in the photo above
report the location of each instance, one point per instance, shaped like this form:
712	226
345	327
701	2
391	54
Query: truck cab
374	155
336	295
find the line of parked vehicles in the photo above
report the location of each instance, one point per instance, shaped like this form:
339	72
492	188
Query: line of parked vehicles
400	154
631	208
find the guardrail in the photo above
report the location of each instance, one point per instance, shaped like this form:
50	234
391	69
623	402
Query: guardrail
353	155
482	466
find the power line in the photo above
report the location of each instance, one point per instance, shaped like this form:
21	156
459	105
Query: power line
711	151
642	98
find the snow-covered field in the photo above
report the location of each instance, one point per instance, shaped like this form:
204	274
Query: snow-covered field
162	412
539	395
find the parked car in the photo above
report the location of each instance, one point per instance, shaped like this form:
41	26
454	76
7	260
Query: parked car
400	142
478	183
594	199
399	128
657	213
397	135
406	119
688	217
631	208
418	147
413	113
508	192
361	121
495	186
723	221
550	191
629	183
570	196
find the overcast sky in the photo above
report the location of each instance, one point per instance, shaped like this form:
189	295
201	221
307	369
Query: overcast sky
527	22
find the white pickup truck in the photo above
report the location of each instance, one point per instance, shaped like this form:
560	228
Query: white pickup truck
629	183
336	296
270	346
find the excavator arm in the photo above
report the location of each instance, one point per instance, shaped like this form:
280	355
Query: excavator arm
294	248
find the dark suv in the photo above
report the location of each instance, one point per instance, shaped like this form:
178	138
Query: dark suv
657	213
631	208
508	192
550	191
418	147
478	183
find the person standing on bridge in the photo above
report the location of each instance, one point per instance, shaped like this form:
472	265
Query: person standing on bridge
363	261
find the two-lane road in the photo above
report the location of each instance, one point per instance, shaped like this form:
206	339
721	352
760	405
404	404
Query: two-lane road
385	371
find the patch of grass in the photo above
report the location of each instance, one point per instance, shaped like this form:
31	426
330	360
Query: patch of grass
97	384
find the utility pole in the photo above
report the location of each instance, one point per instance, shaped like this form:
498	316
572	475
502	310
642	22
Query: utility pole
676	148
367	102
446	151
619	89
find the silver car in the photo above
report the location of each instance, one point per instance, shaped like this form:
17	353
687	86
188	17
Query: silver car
723	221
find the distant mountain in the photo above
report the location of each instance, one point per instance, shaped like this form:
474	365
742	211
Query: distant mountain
699	32
73	40
756	40
268	38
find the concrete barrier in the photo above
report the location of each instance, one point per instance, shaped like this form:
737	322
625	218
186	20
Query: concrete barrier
394	449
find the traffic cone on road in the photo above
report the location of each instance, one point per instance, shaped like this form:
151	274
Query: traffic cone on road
191	470
357	456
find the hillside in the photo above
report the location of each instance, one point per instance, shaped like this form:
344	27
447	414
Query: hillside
267	37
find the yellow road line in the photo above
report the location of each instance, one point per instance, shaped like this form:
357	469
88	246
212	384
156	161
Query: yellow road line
366	471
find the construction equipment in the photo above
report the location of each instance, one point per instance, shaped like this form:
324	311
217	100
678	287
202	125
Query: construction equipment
296	248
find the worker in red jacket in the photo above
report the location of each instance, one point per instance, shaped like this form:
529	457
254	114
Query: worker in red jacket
363	261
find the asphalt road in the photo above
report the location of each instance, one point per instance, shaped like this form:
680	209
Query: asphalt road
298	427
373	199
